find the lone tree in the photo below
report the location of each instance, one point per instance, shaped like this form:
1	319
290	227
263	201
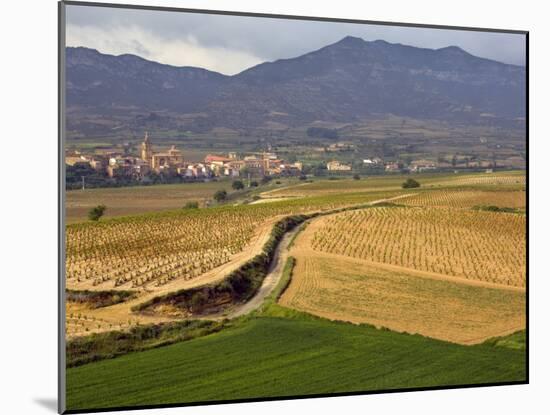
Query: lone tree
220	195
237	185
191	205
410	184
96	212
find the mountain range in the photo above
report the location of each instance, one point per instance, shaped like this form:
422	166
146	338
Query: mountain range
342	82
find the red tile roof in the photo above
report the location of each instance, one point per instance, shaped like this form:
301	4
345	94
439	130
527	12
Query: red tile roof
210	158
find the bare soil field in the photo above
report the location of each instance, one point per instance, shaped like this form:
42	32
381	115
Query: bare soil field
138	199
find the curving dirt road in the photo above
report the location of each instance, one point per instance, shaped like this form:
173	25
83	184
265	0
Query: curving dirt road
275	272
271	280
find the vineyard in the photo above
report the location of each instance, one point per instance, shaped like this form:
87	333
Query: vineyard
325	187
156	254
467	198
149	251
482	246
514	180
496	179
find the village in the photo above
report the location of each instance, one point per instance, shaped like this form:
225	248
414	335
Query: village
121	168
171	163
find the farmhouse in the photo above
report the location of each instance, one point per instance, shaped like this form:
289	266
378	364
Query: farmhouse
337	166
392	167
97	164
422	165
340	146
372	162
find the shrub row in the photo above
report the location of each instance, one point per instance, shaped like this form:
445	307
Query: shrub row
97	299
101	346
492	208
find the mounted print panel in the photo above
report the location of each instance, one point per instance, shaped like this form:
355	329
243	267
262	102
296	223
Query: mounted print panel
262	207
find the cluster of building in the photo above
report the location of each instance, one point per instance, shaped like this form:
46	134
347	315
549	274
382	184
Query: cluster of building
339	147
335	165
172	163
260	164
417	166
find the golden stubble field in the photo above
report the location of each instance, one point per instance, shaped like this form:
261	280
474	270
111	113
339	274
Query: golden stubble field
438	272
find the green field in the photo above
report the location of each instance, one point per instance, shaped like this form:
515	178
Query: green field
293	354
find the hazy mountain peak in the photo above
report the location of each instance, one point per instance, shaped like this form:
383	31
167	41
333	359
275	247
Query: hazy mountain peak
454	49
351	41
344	82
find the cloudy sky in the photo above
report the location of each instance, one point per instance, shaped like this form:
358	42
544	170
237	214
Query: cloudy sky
230	44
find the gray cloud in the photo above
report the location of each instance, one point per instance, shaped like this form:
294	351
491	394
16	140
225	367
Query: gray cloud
230	44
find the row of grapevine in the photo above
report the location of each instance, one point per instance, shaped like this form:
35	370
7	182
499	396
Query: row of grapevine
467	198
477	245
149	251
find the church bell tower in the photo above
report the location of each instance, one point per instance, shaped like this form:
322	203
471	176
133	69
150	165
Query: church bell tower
146	150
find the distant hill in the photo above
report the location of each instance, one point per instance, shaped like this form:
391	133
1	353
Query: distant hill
341	82
101	81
